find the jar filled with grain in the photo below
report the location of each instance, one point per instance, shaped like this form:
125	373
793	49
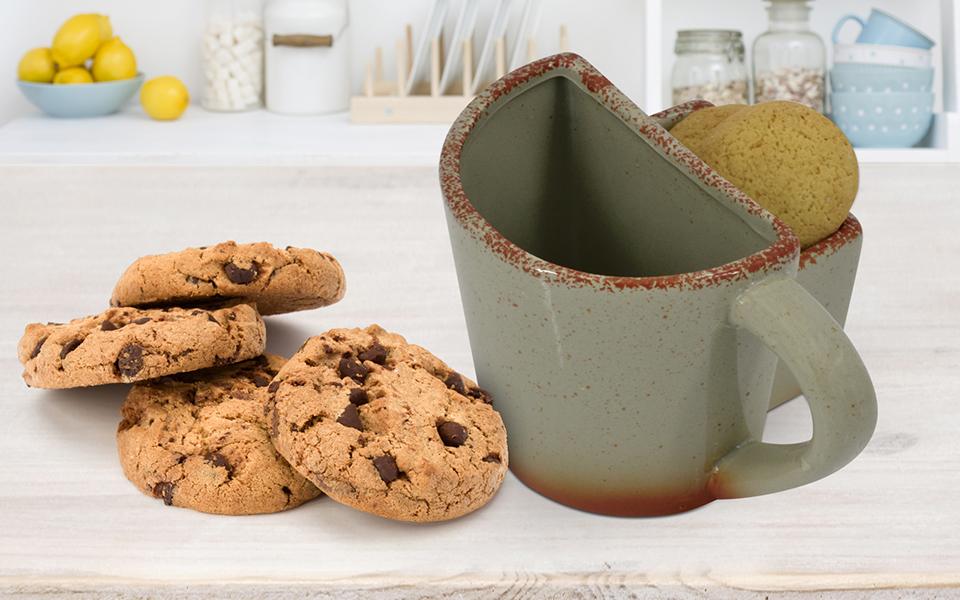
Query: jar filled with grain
789	60
709	66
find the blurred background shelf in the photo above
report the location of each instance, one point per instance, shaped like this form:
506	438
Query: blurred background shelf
634	48
203	138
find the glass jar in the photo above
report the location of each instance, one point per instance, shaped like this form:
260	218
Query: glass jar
789	60
710	66
233	55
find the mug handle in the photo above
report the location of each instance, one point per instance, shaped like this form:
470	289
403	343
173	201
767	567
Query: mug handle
785	317
843	20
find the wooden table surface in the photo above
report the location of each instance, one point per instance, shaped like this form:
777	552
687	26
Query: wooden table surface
887	526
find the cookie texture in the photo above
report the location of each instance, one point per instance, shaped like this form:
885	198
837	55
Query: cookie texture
789	158
699	124
386	427
200	440
276	280
123	345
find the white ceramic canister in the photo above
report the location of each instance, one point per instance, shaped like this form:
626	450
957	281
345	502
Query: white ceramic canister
307	56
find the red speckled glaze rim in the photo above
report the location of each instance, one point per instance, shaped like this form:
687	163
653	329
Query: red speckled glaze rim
849	231
783	250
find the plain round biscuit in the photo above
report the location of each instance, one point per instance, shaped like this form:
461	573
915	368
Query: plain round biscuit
391	430
791	160
200	441
696	126
276	280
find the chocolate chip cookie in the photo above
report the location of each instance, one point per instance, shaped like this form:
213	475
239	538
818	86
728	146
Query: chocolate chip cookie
386	427
277	281
199	440
122	345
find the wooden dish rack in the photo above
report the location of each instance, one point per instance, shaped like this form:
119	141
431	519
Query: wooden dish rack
385	101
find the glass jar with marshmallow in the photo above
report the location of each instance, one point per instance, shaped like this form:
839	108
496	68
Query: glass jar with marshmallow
233	55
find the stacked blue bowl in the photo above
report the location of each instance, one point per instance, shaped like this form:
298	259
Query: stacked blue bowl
882	85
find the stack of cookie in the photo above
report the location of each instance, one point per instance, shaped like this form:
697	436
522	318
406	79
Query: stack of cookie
213	424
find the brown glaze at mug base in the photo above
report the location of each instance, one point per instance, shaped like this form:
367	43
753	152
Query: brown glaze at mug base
625	504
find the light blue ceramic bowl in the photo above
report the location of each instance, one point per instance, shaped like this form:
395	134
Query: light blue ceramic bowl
81	99
857	77
882	120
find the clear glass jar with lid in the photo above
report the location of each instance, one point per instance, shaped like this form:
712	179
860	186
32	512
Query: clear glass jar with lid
709	66
232	54
789	60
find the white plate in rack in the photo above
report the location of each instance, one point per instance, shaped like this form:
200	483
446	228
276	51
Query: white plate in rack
877	54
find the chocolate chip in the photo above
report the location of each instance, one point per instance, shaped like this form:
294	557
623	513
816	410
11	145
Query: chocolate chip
358	396
108	326
481	394
260	381
286	491
455	383
387	468
212	319
164	490
452	434
375	353
130	360
36	349
70	347
492	457
351	367
240	275
350	417
218	460
142	320
273	387
193	280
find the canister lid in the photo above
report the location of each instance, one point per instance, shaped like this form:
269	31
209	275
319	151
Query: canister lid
308	16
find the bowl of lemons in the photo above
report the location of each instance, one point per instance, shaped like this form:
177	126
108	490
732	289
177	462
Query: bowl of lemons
86	72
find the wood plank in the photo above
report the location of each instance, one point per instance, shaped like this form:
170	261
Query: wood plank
886	526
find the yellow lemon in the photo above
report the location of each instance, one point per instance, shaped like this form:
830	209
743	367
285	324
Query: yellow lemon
37	66
164	98
113	61
73	75
106	29
78	39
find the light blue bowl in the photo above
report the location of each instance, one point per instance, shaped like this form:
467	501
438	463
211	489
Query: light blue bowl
858	77
81	99
882	120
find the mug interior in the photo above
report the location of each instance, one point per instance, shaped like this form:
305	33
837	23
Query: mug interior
561	176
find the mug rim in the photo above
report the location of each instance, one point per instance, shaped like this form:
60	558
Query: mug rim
906	25
785	248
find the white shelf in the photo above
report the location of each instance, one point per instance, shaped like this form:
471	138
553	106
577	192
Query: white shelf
261	138
206	138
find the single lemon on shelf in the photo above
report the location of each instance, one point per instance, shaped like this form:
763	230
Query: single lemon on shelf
79	38
113	61
73	75
37	66
164	98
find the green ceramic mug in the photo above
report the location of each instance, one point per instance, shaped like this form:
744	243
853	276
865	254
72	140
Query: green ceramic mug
626	305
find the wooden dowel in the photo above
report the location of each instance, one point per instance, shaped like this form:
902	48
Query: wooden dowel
467	65
401	68
443	52
531	49
501	60
564	39
368	82
378	64
408	31
435	67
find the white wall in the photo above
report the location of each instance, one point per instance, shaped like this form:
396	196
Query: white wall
165	35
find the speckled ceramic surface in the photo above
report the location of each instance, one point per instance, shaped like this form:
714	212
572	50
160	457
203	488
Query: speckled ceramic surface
827	269
622	301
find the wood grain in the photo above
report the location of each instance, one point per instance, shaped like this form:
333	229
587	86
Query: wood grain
886	526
